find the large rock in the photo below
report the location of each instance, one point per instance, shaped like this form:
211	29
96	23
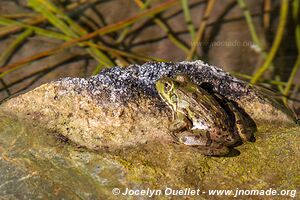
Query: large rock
120	106
80	138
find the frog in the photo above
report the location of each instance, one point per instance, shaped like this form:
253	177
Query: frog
202	119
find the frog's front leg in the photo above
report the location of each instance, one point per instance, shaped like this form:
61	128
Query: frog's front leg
180	123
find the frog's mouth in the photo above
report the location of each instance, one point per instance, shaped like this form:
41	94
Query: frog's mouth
172	107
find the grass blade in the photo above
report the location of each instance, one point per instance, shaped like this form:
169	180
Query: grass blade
7	53
201	29
58	18
105	30
295	6
188	18
278	37
166	29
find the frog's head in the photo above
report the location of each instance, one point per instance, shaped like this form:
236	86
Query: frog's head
167	90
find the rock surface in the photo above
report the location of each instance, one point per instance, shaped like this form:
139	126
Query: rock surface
120	106
118	114
35	165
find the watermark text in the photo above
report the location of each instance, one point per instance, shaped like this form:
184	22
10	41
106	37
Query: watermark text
168	191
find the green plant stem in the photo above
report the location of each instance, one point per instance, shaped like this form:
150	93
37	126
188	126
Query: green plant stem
295	6
7	53
59	36
248	77
65	24
267	14
248	18
13	28
277	78
188	18
19	15
126	30
291	78
254	36
123	53
170	35
40	31
276	43
166	29
201	29
102	31
39	18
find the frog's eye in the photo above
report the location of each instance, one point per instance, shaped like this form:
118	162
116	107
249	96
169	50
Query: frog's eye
167	87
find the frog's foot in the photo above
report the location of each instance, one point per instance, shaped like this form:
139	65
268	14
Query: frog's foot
203	143
216	150
192	139
245	133
175	138
244	127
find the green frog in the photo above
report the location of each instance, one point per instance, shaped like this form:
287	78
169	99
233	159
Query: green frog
200	120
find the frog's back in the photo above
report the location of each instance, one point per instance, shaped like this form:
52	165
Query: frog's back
204	107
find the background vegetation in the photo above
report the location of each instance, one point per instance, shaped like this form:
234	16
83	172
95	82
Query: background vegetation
107	44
